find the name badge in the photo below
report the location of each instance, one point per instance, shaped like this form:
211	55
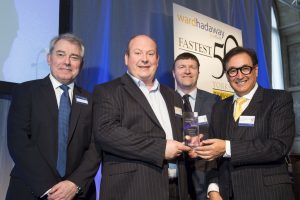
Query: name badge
178	111
202	120
80	99
247	121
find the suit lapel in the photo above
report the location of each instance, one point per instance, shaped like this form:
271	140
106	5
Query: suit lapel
75	112
48	96
139	97
169	99
198	101
252	109
227	114
49	137
254	104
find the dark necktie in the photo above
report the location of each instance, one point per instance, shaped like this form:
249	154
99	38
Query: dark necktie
186	105
63	128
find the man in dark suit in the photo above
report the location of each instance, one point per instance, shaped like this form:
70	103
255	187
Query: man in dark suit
186	72
255	130
42	168
137	123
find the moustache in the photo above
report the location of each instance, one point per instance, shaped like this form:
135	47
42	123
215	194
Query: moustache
239	80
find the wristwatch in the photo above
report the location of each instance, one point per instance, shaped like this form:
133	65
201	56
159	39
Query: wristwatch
78	189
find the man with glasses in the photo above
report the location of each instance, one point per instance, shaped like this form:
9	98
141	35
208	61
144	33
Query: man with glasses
255	130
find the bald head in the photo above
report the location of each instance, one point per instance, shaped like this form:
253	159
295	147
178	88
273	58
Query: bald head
141	58
140	38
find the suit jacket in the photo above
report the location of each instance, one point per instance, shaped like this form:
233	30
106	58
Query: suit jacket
33	139
257	167
198	168
134	142
203	105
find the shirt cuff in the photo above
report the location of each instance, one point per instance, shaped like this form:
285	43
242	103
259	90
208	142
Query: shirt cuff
212	187
227	153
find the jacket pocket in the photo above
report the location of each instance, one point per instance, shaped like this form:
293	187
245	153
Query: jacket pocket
122	168
277	179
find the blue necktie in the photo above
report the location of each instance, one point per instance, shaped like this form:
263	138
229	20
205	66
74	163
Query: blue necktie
63	128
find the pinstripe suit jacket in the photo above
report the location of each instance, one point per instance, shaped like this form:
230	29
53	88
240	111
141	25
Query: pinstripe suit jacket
257	168
133	142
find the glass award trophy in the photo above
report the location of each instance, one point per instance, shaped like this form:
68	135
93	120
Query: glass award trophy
191	129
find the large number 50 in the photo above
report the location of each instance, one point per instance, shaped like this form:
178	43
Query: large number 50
223	46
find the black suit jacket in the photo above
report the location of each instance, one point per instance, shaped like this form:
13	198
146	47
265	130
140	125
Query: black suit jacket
134	142
198	167
33	139
257	167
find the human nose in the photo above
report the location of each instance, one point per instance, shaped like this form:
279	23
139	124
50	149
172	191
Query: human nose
144	57
239	74
187	70
67	60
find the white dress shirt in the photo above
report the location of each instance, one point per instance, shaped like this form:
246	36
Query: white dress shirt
192	97
159	107
58	91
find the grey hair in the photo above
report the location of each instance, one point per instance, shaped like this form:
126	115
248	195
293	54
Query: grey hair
68	37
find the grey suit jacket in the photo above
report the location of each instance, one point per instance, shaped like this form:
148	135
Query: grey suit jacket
33	139
257	168
134	142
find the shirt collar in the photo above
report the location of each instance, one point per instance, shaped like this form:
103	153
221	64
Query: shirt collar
56	83
193	93
248	96
140	83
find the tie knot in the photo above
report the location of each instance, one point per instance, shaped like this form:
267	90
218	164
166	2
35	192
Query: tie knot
186	97
186	105
65	88
241	100
238	109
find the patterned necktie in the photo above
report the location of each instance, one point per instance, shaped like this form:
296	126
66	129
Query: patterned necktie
186	105
238	107
63	128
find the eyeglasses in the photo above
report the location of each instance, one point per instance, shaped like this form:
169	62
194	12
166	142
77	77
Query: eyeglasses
245	69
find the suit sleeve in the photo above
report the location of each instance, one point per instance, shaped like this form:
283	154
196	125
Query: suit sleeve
115	138
274	144
85	173
213	173
84	151
21	144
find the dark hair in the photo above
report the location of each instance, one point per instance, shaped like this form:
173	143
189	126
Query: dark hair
186	56
239	50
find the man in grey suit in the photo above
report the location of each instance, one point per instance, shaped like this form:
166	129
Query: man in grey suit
186	69
138	125
255	130
43	169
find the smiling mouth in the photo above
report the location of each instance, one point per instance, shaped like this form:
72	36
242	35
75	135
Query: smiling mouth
65	69
144	67
241	81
